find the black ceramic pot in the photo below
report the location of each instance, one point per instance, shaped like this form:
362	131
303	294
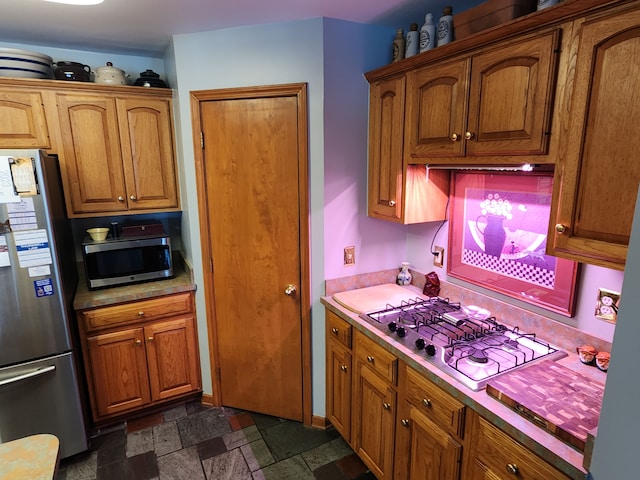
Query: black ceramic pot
149	78
72	71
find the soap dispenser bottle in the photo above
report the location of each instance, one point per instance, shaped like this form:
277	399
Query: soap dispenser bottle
445	26
427	34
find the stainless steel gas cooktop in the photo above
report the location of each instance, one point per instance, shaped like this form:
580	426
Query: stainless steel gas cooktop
465	342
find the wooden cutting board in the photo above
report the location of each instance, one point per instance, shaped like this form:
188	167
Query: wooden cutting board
556	398
371	299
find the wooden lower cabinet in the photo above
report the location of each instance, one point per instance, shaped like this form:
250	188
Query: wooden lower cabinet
494	455
423	449
429	430
374	406
405	427
139	363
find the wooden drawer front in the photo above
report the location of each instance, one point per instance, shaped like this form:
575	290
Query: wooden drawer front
144	310
377	358
338	329
435	403
501	453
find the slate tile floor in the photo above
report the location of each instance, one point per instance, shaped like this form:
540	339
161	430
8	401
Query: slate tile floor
194	442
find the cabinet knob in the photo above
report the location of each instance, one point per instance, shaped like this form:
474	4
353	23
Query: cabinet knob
468	135
404	422
386	406
149	339
343	368
370	359
138	342
512	468
454	137
120	198
335	330
141	313
426	402
560	228
392	203
133	197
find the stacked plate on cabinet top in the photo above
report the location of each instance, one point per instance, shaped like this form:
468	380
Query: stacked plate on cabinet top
24	64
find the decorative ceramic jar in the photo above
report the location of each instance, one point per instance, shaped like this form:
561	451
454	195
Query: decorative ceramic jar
72	71
404	276
587	354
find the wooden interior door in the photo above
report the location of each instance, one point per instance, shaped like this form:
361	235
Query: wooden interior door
254	210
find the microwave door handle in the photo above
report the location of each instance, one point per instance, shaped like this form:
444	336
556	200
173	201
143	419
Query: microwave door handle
25	376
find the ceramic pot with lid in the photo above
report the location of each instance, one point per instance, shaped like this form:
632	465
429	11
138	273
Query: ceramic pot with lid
71	71
149	78
110	75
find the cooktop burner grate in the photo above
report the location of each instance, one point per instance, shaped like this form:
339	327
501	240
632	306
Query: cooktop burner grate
471	348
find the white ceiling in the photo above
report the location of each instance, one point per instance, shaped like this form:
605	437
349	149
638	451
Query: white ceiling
145	26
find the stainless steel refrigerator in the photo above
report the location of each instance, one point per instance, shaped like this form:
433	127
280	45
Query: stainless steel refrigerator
39	389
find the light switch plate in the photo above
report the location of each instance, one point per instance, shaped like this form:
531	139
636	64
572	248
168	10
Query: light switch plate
607	305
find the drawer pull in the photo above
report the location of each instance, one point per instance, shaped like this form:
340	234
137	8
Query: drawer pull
405	422
370	359
335	330
427	402
141	313
387	406
343	368
512	468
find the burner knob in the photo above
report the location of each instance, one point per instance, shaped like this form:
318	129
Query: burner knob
420	344
392	326
431	350
401	332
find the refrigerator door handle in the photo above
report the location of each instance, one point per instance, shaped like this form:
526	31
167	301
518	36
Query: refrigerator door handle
24	376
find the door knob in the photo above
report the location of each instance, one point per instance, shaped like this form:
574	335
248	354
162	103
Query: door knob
290	289
560	228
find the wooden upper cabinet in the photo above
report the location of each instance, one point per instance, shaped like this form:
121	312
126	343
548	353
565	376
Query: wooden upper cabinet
399	192
437	110
386	124
600	174
118	153
497	102
22	119
92	154
147	147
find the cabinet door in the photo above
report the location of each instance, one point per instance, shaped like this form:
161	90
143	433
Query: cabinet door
92	157
386	126
339	388
601	172
436	111
22	120
374	421
118	371
146	138
174	368
432	453
511	98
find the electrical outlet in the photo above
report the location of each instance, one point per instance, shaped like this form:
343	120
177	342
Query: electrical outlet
349	256
607	305
438	254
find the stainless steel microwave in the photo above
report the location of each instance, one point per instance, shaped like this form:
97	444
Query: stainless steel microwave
127	260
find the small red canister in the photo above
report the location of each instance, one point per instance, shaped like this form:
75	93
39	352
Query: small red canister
587	354
602	361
